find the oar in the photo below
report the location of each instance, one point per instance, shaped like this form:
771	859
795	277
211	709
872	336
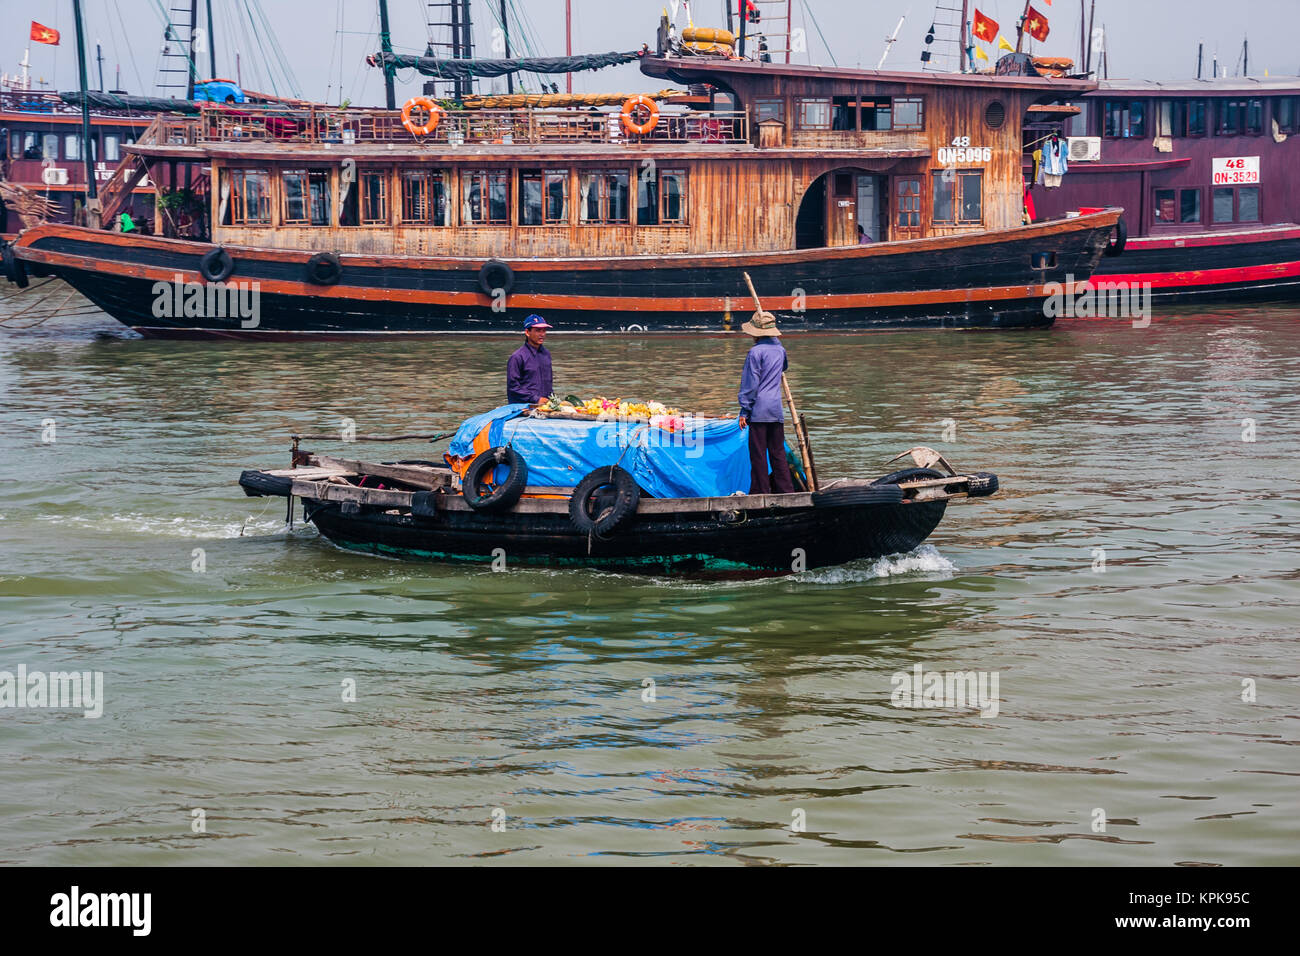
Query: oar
800	432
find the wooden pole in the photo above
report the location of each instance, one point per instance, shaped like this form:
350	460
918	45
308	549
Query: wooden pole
568	42
800	432
1020	26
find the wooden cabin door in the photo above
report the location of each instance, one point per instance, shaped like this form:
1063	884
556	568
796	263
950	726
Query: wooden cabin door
842	212
908	195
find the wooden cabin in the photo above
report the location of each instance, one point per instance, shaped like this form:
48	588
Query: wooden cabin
778	158
41	148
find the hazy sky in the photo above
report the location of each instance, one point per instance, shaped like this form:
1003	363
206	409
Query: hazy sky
324	42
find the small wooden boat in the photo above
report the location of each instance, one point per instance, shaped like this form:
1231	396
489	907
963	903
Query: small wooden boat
414	510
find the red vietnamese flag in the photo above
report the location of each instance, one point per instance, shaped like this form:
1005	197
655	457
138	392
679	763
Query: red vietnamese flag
1035	24
44	34
986	28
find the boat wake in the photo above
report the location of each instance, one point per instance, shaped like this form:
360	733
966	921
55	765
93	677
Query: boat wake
923	561
172	527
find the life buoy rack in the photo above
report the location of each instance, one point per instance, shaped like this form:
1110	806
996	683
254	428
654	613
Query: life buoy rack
642	103
429	106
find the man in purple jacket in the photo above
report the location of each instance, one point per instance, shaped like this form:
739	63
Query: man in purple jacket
528	373
761	407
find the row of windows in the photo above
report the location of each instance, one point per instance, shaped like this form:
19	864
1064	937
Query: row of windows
1128	119
847	113
957	199
1227	204
33	145
541	197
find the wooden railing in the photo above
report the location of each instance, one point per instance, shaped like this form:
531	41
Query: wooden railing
323	125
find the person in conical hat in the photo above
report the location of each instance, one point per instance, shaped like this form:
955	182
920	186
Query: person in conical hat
761	408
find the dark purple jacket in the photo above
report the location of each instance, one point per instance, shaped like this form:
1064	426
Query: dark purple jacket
528	375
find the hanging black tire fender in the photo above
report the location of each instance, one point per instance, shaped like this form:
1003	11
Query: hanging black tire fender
604	500
495	275
258	484
909	474
857	495
982	484
500	497
15	269
1118	239
324	268
216	265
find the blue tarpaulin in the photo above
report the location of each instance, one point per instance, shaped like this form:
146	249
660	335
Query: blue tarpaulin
708	458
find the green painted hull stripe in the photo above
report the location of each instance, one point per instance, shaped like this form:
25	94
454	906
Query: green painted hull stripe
708	561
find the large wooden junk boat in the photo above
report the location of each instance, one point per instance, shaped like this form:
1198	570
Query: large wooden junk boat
1205	169
855	198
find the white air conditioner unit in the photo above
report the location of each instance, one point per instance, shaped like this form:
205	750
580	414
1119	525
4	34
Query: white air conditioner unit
54	176
1085	149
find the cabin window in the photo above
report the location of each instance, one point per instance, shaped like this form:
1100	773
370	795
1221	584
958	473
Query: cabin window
1177	206
72	146
844	113
908	203
365	202
1180	118
813	114
250	197
1248	204
424	197
50	146
1240	117
112	147
306	197
877	113
661	199
769	108
1254	117
1125	119
1284	113
26	146
909	113
485	197
373	191
1236	204
543	197
958	197
603	196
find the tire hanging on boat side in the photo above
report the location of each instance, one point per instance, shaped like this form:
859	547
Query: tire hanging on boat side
503	496
324	268
495	275
1117	241
604	500
216	265
14	268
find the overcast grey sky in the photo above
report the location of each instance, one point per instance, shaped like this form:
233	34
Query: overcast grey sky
324	41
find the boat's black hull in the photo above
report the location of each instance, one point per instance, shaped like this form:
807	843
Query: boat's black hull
988	280
1230	267
776	540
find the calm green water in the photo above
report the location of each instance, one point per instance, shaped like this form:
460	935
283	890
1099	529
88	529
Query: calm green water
1120	691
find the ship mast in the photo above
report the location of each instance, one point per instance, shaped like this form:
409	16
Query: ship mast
386	44
92	193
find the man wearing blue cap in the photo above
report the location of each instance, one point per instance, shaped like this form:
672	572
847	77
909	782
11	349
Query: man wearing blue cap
528	373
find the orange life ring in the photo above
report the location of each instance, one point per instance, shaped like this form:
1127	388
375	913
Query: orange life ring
430	107
631	106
